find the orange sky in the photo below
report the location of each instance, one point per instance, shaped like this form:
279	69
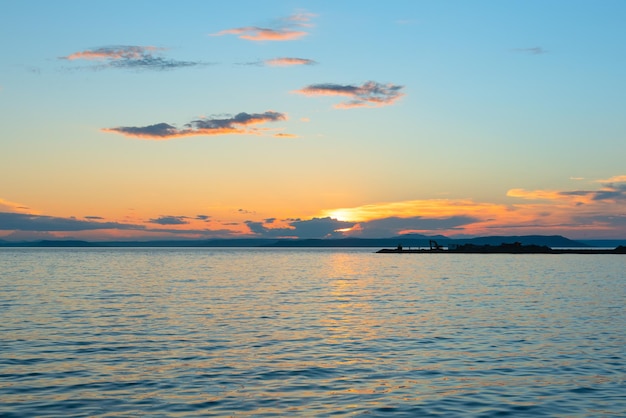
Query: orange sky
312	120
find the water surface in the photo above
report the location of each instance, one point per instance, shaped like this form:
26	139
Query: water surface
310	332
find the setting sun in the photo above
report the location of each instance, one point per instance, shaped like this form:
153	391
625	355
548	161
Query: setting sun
340	215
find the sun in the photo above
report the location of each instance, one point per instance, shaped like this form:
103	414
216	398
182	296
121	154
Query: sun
340	215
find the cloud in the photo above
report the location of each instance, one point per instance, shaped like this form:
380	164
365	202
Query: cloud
122	52
286	61
535	194
255	33
130	57
392	226
614	189
30	222
614	179
537	50
369	94
7	206
170	220
319	227
287	29
240	124
426	208
573	213
285	135
301	19
593	212
32	227
311	228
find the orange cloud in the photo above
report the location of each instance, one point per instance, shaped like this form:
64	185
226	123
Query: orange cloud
239	124
614	190
130	56
284	61
285	32
12	207
535	194
253	33
430	208
614	179
369	94
598	212
114	53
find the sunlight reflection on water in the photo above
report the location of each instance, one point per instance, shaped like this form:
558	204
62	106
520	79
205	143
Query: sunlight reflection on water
188	332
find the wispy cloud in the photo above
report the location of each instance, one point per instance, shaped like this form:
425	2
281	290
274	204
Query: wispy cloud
122	52
286	61
240	124
255	33
537	50
536	194
130	57
613	190
280	62
170	220
287	29
7	206
614	179
369	94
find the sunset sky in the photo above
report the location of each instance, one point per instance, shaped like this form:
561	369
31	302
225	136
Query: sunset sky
311	119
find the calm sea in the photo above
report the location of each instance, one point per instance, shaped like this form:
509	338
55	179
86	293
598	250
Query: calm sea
310	332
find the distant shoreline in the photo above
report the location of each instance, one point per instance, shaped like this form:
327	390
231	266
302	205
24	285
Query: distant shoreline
559	251
504	248
406	241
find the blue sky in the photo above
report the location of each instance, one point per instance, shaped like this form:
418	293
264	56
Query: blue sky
149	119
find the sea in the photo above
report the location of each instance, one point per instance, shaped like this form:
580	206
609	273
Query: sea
258	332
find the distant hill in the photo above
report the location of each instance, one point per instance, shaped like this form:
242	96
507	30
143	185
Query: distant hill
547	240
408	240
49	243
342	242
417	240
252	242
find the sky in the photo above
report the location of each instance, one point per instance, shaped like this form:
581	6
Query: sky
156	119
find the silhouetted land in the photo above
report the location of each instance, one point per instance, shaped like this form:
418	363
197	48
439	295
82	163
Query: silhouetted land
503	248
406	241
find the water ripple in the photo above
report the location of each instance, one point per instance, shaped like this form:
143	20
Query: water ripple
175	332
